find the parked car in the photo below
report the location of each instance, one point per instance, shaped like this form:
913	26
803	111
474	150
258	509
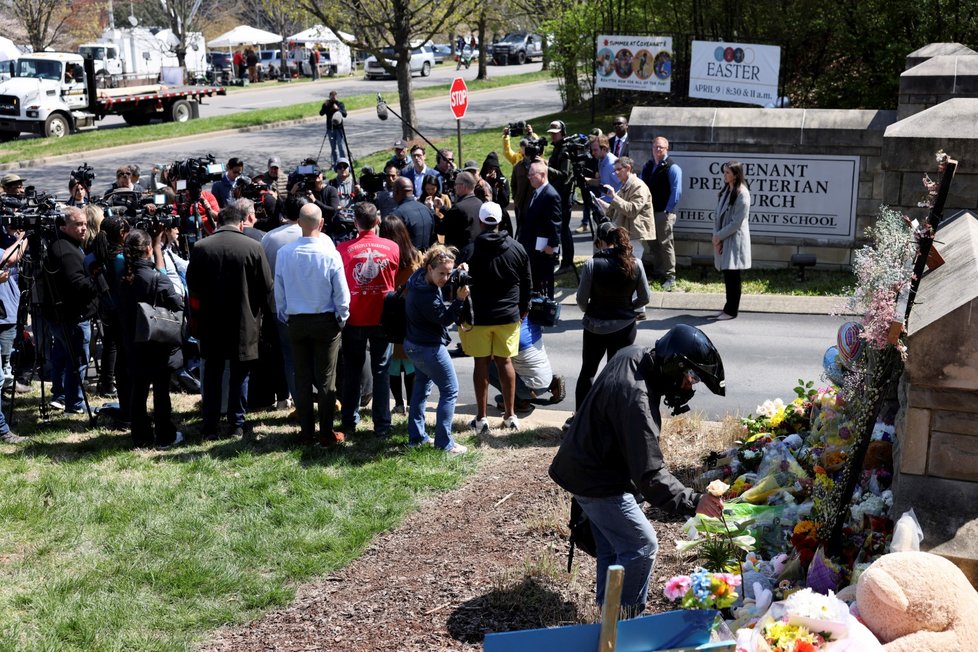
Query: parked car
220	68
441	52
422	60
516	47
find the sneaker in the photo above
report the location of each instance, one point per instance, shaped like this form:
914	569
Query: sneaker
177	440
511	423
558	389
10	438
456	449
581	229
57	404
481	426
284	404
74	410
567	424
724	317
398	409
669	285
427	441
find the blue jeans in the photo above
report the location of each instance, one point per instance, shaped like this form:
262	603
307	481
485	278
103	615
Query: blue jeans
432	365
287	360
337	145
622	535
67	375
211	393
355	340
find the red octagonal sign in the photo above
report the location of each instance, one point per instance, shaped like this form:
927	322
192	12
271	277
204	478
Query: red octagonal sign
459	98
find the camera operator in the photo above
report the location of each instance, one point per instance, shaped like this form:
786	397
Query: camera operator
314	188
384	199
400	158
68	306
13	186
561	176
343	183
223	188
335	112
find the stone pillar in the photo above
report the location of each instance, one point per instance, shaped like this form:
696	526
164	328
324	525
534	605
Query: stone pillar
936	464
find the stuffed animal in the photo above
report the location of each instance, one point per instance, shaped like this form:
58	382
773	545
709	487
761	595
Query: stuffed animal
918	602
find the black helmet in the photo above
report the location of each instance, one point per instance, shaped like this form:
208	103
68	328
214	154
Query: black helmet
686	348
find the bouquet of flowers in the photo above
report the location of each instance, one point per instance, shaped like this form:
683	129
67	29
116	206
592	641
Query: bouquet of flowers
703	589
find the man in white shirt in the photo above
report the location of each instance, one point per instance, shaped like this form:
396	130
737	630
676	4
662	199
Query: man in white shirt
312	295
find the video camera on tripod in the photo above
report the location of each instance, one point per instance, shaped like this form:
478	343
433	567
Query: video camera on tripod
83	174
33	213
578	148
193	173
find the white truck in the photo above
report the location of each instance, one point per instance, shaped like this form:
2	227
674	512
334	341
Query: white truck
140	52
55	93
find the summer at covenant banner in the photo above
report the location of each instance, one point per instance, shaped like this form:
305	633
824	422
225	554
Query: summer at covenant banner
735	72
634	63
803	196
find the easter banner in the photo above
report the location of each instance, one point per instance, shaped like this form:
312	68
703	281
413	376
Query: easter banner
634	63
735	72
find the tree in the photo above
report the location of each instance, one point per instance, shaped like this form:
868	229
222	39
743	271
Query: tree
180	16
44	21
394	24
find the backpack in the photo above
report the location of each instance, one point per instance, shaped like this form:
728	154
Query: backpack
581	535
393	317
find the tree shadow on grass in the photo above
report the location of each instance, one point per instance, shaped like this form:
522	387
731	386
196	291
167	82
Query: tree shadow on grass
526	604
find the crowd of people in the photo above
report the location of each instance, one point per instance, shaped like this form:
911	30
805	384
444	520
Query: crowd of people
283	276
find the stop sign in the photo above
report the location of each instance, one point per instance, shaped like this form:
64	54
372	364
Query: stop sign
459	98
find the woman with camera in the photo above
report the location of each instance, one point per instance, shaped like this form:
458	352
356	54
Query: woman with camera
613	287
145	280
425	340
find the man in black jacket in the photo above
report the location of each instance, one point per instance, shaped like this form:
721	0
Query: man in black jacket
500	298
69	303
540	230
561	176
460	225
230	286
417	217
611	452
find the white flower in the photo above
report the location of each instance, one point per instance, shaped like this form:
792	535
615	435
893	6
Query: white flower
717	488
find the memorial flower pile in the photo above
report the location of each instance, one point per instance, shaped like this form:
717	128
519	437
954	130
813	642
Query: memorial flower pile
703	589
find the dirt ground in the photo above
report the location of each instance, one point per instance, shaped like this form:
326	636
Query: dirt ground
489	556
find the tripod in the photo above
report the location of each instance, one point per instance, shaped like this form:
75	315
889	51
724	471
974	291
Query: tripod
38	287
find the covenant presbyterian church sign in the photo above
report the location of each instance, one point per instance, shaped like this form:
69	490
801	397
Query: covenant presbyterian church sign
804	196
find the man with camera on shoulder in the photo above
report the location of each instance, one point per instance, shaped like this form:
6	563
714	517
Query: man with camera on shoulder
561	177
69	303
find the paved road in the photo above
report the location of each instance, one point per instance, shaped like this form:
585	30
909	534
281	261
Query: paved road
365	132
285	94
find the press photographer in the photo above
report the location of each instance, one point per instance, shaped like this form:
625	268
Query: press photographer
197	208
307	181
561	176
80	185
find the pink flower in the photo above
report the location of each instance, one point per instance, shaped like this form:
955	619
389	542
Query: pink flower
728	578
676	587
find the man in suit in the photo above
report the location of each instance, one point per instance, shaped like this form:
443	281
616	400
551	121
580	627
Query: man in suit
460	226
619	142
418	169
230	286
540	232
417	217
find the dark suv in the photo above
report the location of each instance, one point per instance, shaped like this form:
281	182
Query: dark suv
516	47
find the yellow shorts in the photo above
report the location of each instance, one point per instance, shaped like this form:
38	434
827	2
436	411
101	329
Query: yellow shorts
483	341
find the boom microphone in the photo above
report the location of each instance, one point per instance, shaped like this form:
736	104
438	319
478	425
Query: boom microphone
381	107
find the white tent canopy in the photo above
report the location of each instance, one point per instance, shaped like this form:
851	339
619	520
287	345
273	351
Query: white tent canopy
7	49
244	35
318	34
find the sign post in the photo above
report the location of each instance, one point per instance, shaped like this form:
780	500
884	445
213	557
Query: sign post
458	98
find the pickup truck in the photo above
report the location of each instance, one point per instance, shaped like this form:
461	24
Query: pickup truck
55	93
518	47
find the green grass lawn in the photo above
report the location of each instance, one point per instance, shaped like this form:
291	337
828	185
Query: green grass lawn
106	548
33	148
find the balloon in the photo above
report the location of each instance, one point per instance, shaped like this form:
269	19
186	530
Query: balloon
849	341
830	365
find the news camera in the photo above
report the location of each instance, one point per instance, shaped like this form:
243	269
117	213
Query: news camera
308	174
371	182
578	148
83	174
197	171
155	215
517	128
534	147
35	212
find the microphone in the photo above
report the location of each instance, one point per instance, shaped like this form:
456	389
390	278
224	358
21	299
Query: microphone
381	107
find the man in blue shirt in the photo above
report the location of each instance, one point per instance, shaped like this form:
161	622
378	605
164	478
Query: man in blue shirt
312	295
665	180
223	188
601	151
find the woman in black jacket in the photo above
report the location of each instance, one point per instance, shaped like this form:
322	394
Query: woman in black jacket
150	363
613	290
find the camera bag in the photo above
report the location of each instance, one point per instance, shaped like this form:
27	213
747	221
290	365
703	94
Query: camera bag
393	316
